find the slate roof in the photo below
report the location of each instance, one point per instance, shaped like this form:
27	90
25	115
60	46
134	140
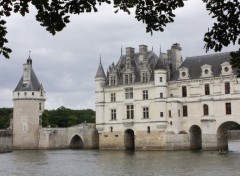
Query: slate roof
151	58
100	72
194	64
34	84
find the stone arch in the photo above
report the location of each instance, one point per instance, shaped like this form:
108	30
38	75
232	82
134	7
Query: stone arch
76	142
195	137
129	140
182	132
222	134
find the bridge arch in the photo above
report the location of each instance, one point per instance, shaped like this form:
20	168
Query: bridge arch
76	142
129	139
222	134
195	137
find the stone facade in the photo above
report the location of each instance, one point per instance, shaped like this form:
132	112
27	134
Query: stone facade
150	102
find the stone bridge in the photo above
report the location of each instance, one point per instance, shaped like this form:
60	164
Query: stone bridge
79	136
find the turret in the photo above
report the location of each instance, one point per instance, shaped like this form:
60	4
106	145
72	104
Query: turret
28	105
100	81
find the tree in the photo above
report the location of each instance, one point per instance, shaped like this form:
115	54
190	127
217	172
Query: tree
156	14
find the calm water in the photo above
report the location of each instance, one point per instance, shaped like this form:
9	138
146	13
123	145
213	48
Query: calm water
118	163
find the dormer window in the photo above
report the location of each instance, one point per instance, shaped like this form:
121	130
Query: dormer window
144	77
226	68
206	71
128	78
113	81
183	73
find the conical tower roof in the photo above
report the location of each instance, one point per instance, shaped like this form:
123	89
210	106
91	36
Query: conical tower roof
33	85
100	72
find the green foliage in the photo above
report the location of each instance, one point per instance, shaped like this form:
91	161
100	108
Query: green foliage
156	14
5	116
64	117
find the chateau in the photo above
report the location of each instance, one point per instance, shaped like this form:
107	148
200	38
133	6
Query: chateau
151	102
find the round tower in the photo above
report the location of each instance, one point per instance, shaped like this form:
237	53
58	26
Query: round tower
100	81
28	105
161	89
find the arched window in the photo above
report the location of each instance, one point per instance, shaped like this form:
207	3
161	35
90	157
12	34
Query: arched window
205	109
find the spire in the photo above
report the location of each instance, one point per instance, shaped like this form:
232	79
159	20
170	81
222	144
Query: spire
160	50
100	72
121	50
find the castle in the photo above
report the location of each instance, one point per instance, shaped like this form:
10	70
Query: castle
150	102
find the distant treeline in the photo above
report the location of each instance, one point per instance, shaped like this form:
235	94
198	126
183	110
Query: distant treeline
5	115
64	117
61	117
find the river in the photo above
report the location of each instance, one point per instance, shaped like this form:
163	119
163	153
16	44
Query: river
118	163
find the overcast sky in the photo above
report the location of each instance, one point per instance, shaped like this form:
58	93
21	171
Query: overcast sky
66	63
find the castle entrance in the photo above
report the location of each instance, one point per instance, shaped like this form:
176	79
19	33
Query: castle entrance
195	138
76	142
129	142
222	134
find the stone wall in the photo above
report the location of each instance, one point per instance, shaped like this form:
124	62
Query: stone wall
5	141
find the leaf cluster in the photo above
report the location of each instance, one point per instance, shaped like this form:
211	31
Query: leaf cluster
156	14
227	28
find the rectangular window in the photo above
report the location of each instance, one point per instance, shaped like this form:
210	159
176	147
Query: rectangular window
113	97
161	114
144	77
130	79
179	113
40	106
169	113
148	129
32	93
25	93
113	80
130	112
161	95
184	91
207	89
185	111
129	93
160	79
227	88
111	129
145	94
228	108
126	79
113	114
145	113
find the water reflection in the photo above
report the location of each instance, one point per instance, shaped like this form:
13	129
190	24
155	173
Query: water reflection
118	163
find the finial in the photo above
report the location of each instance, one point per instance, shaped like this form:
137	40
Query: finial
160	49
29	60
152	48
121	49
100	59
